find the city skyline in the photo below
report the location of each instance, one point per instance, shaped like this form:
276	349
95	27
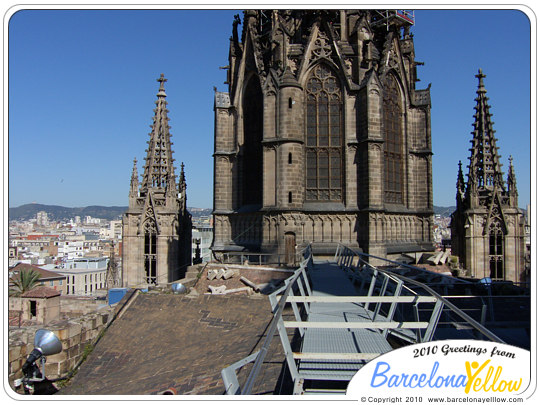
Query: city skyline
80	105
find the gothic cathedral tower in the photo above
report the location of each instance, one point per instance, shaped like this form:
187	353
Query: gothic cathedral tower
156	228
322	136
488	226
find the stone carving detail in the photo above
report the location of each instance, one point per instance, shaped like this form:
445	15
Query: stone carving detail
269	87
321	47
311	228
393	60
293	65
396	228
348	67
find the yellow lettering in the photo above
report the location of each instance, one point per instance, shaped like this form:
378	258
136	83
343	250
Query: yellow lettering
515	387
471	376
488	376
477	384
487	384
501	387
497	374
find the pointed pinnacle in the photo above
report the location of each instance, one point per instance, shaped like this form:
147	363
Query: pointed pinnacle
161	80
480	77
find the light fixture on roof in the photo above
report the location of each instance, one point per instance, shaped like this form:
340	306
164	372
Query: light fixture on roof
46	343
178	288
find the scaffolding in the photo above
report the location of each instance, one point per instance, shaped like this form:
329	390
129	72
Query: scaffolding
398	17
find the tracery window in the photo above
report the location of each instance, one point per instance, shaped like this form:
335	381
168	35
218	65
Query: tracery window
496	251
150	252
393	145
324	136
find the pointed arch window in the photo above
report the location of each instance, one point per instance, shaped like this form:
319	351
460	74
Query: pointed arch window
252	152
324	136
496	251
393	145
150	252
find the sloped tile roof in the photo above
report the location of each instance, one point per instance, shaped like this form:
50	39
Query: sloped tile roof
167	341
45	274
41	292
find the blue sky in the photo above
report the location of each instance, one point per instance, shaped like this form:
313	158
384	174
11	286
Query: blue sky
82	88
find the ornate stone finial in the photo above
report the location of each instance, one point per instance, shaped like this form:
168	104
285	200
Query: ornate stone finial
182	178
236	22
134	179
512	181
480	77
460	181
161	80
134	171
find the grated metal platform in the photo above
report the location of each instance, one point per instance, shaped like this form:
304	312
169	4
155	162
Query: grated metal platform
329	280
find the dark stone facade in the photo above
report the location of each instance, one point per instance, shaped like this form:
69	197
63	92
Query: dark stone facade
322	136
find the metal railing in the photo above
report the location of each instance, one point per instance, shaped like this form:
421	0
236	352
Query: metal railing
394	304
232	386
256	258
345	257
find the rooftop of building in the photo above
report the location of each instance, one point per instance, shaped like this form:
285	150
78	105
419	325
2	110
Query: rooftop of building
44	274
41	292
164	341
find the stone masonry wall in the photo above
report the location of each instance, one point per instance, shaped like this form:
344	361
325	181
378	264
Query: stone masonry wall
75	335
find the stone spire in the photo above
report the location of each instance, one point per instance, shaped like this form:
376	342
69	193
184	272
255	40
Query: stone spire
460	184
158	168
484	167
512	182
182	185
134	185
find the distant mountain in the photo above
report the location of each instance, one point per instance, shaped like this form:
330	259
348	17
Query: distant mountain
200	212
447	211
444	211
59	213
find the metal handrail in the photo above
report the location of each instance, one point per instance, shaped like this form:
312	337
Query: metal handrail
269	336
479	327
344	257
278	311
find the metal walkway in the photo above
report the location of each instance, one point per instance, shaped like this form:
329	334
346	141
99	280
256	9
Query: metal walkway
346	313
349	348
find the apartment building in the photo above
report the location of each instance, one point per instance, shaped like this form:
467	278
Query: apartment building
84	276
